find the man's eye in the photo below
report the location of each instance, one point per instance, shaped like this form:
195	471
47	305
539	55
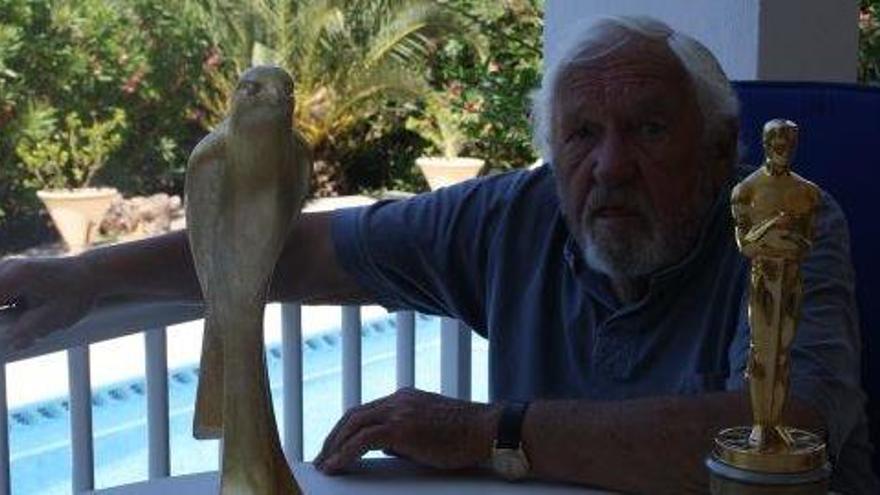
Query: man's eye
652	129
584	133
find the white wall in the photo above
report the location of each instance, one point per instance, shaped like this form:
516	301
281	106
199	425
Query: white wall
815	40
754	39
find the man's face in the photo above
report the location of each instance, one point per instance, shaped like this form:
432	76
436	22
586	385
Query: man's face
629	160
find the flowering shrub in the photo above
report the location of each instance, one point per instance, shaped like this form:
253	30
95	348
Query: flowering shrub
491	89
65	70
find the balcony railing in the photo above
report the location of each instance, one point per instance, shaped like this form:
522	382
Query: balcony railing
151	319
122	318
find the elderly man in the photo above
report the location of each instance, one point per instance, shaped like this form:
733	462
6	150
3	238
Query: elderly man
608	283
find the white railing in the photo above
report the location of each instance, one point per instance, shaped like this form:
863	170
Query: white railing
121	318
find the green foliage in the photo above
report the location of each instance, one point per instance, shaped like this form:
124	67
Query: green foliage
869	42
71	156
491	92
443	124
478	105
363	69
349	58
87	58
378	154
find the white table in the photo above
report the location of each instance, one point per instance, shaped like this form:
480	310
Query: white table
371	477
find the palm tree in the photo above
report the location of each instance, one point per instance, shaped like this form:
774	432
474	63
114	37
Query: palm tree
345	55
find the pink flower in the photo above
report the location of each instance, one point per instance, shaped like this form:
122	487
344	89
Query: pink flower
213	59
866	20
131	85
195	115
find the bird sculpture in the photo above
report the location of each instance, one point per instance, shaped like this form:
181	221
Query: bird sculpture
245	186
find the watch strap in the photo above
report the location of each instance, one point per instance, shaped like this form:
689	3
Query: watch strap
509	434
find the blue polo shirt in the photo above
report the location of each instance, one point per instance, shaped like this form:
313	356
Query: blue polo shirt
497	254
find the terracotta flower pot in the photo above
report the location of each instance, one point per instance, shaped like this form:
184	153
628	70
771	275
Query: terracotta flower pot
77	213
442	172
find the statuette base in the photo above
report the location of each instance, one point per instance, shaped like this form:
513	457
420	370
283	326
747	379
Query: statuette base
807	454
725	479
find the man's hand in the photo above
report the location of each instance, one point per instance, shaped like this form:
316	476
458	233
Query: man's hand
43	295
427	428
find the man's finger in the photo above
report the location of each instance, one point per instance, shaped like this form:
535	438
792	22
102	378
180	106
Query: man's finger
29	326
371	438
330	438
350	426
334	438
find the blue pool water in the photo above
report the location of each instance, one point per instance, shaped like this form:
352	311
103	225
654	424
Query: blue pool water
39	433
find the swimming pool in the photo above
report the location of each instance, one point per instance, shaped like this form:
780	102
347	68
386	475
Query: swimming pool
40	440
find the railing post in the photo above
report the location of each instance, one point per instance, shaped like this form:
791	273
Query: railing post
82	452
351	356
455	359
406	349
292	381
5	485
156	349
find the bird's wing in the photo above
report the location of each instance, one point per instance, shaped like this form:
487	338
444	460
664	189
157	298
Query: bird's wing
204	180
303	164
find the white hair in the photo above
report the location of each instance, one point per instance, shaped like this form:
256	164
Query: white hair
715	96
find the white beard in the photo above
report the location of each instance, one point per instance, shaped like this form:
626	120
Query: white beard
639	247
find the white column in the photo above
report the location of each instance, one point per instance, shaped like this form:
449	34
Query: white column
406	349
159	452
455	359
81	447
292	363
5	484
351	356
794	40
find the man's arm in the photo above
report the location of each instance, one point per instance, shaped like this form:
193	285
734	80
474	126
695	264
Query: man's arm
654	445
47	294
162	267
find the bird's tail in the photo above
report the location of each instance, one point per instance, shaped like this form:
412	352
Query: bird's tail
208	419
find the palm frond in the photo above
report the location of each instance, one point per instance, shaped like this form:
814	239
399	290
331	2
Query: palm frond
344	54
411	31
314	23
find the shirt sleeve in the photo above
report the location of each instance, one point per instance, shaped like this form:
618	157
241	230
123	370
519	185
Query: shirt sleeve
825	354
428	253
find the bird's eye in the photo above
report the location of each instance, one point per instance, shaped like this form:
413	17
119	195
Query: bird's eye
250	88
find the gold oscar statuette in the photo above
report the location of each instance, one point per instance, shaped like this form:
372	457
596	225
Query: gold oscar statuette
774	211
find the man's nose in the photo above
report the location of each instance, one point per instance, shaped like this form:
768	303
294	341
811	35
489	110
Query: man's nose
614	161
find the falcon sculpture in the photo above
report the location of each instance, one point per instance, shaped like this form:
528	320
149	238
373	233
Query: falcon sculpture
245	186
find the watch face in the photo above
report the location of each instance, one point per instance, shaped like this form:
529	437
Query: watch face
510	463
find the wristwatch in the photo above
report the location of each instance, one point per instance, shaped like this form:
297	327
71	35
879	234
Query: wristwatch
508	457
